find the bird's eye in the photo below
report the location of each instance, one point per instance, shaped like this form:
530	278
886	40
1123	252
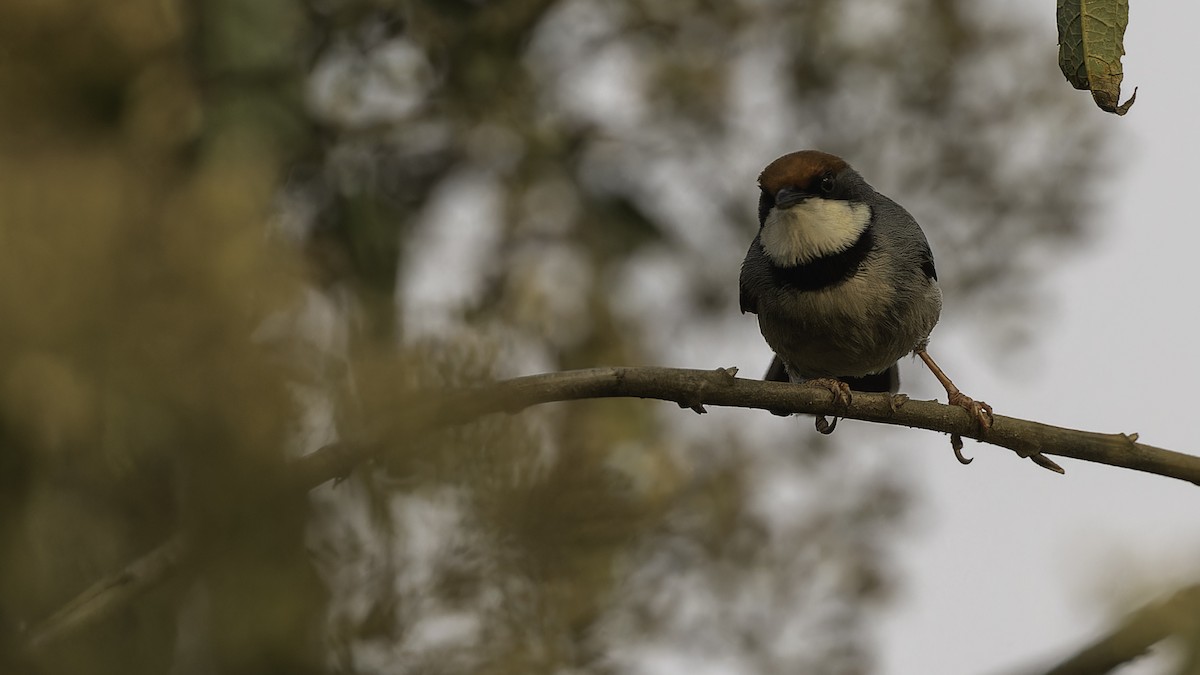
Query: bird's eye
827	183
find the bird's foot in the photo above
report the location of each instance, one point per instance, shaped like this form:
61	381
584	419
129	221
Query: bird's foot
839	389
841	398
980	411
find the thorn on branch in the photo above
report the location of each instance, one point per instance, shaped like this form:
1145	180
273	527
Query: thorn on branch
956	444
1046	463
1132	438
695	399
1038	458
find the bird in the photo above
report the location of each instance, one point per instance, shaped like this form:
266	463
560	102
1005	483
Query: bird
842	281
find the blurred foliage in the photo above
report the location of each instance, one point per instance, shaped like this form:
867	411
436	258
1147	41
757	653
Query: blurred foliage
138	158
230	231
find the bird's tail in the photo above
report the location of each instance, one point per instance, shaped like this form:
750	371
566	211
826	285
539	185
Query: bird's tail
776	372
887	381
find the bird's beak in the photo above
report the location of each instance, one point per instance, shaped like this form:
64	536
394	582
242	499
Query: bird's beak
787	198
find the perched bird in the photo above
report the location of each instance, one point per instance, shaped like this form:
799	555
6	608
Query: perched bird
842	281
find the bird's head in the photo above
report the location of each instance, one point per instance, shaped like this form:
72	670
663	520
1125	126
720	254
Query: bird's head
812	205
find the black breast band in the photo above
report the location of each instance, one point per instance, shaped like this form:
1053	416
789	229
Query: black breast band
826	271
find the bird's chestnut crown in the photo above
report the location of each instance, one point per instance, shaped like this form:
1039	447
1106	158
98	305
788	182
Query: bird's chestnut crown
807	173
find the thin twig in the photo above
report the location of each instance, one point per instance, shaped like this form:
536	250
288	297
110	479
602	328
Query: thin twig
1135	635
694	389
113	592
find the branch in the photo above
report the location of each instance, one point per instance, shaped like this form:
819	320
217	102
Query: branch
112	593
692	389
697	388
1140	631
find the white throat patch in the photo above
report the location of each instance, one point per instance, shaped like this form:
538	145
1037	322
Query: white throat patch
812	229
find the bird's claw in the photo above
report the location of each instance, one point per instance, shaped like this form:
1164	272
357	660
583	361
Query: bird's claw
841	398
839	389
980	411
956	444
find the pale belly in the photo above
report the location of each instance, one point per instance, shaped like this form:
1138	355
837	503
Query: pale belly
854	329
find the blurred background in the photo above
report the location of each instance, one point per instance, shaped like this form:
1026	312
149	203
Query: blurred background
232	233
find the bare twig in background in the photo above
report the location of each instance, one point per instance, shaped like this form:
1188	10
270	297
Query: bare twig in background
1140	631
691	389
112	592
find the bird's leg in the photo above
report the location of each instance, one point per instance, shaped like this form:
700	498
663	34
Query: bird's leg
982	412
841	396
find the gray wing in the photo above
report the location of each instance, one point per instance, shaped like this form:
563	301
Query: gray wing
754	267
905	238
927	265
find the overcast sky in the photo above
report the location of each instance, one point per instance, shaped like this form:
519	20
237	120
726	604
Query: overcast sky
1011	565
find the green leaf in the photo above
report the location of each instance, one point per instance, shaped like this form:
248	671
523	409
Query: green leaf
1090	45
